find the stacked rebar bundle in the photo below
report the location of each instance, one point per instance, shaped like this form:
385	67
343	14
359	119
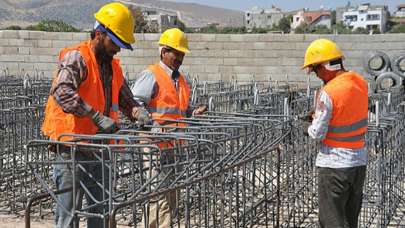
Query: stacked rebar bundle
21	111
385	181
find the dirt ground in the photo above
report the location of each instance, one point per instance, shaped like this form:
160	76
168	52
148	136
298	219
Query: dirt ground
14	221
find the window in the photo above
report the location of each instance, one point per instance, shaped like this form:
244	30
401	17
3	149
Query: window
373	17
351	18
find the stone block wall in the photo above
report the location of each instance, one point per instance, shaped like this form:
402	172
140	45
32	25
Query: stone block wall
213	56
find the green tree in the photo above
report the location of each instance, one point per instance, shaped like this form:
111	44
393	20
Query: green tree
400	28
13	27
361	30
53	26
302	28
209	29
376	31
285	24
259	30
233	30
321	29
340	28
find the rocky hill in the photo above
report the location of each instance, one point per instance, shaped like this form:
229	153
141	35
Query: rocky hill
79	13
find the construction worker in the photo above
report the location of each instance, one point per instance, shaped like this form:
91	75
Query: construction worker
340	122
87	93
165	93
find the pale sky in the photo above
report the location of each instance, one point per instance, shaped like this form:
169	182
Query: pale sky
288	5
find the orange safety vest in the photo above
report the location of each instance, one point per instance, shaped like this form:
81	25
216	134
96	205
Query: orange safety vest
91	91
348	125
168	103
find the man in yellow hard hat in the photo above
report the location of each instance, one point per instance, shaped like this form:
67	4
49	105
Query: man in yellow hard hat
165	93
87	94
340	123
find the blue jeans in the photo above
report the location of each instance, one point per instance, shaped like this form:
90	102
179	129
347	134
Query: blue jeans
63	177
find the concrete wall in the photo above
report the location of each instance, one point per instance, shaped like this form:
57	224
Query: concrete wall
212	57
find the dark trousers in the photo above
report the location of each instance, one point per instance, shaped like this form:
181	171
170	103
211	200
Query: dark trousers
340	193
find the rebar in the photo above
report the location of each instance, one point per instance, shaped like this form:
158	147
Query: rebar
245	163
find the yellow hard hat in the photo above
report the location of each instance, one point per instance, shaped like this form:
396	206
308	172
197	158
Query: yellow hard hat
117	18
175	38
320	51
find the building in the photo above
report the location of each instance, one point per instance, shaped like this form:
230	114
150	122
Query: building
366	16
341	10
159	21
400	11
312	18
262	18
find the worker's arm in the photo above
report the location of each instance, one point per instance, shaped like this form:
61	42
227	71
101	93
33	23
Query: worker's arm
145	88
323	114
72	72
131	108
127	102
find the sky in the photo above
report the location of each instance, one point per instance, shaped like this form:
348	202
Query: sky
288	5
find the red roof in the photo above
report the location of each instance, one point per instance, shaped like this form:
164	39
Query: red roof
311	16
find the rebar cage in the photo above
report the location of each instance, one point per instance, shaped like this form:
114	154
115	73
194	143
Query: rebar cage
246	162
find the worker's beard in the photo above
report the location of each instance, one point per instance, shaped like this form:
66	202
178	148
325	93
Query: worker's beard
102	55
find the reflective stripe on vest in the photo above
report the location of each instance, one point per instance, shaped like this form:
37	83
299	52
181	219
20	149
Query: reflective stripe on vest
168	103
349	128
348	138
348	124
91	90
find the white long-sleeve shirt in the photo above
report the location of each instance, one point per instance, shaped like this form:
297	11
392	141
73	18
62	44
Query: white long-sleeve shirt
332	157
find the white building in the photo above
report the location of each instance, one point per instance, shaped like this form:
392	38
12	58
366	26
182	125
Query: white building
160	21
366	16
400	11
262	18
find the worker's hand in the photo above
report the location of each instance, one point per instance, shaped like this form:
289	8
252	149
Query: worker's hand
200	110
142	116
104	123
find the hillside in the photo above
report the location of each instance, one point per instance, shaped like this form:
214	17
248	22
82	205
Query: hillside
79	13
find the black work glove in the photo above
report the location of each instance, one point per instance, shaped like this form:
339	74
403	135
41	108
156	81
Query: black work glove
142	116
104	123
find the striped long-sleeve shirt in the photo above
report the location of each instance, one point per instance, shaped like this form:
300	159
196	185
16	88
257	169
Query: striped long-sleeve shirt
72	71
